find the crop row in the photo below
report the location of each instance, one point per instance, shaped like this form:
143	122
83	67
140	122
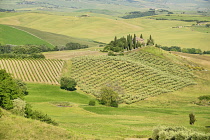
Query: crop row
137	80
31	70
161	64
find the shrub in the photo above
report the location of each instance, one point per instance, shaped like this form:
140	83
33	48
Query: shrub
177	133
108	97
37	115
92	103
192	118
1	113
19	107
111	54
205	97
68	83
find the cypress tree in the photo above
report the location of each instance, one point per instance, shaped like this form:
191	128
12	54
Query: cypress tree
150	37
134	41
141	36
115	41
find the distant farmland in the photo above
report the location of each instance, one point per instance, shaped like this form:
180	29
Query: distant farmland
41	71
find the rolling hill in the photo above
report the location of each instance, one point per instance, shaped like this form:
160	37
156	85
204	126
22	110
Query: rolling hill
57	39
103	28
118	5
13	36
138	75
16	127
156	87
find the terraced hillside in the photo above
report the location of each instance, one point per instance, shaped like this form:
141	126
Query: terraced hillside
41	71
137	75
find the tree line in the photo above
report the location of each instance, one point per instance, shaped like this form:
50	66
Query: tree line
137	14
184	50
25	51
34	51
71	46
127	43
12	94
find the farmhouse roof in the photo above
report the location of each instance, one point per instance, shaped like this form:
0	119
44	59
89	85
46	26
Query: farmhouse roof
139	39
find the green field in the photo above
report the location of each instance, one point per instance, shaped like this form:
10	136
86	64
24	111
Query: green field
57	39
16	127
10	35
127	121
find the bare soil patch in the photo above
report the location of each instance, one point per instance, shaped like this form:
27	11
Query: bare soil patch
66	55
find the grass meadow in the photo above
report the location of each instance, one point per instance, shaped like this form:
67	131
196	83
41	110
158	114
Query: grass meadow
10	35
127	121
57	39
15	127
103	28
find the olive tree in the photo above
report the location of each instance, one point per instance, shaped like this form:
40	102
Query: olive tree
108	97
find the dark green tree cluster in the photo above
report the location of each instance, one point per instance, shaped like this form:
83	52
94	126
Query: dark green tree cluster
6	10
137	14
92	102
204	97
150	41
10	89
26	51
74	46
203	100
184	50
70	46
206	52
128	43
68	83
34	51
192	51
172	48
12	94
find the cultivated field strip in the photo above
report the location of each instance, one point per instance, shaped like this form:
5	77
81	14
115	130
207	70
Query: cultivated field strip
32	70
137	80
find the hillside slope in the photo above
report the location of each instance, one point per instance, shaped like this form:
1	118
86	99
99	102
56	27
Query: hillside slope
119	5
10	35
32	70
57	39
138	74
103	28
16	127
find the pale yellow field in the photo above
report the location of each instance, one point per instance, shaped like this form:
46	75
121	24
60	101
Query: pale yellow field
104	28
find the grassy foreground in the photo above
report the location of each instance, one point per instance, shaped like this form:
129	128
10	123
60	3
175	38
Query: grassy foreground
136	120
15	127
